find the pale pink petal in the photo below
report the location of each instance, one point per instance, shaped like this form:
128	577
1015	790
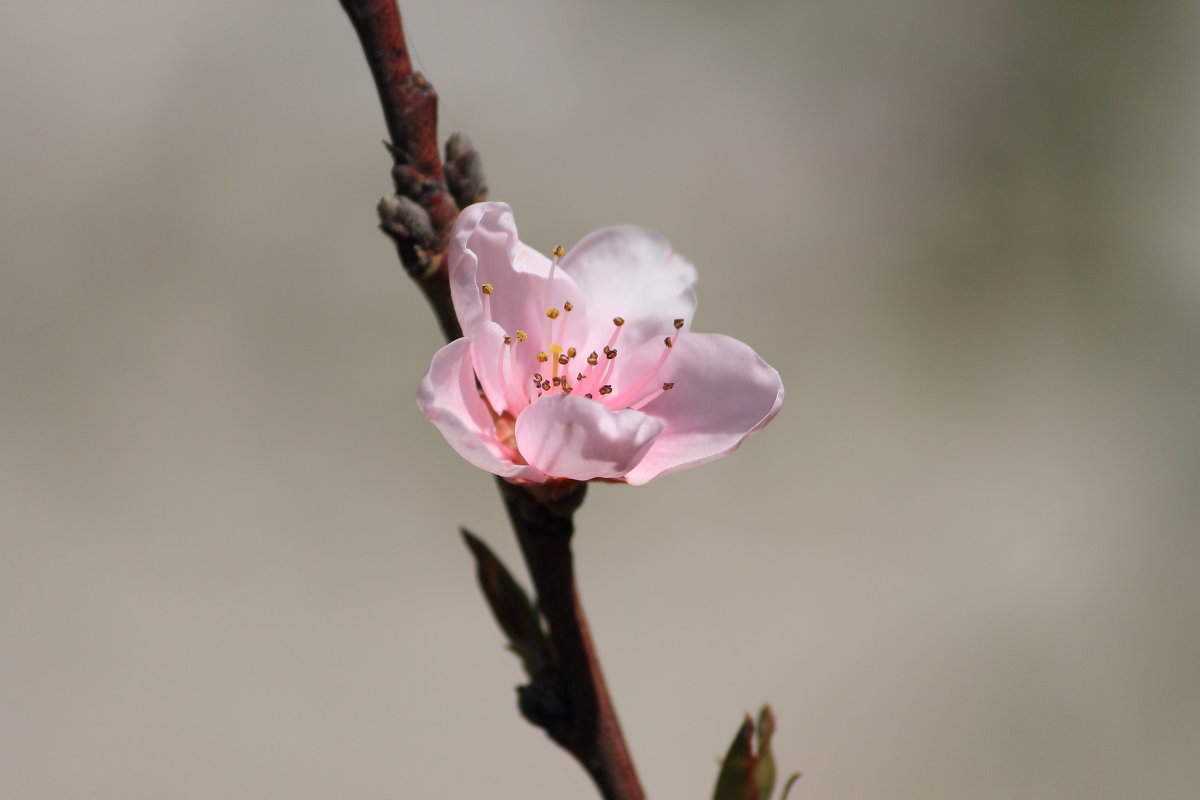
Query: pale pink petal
632	273
484	249
573	437
491	359
723	393
448	396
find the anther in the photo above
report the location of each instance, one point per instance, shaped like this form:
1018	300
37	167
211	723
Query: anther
563	359
593	359
537	379
579	377
522	336
570	352
486	288
552	313
558	251
611	353
588	395
669	342
606	389
567	306
507	339
546	385
556	381
618	321
678	324
668	387
543	357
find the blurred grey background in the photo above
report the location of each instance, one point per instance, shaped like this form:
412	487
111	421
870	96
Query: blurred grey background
963	562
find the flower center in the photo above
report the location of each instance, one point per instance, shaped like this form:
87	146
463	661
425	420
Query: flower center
527	376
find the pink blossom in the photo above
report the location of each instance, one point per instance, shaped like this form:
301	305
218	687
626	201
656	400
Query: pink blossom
586	368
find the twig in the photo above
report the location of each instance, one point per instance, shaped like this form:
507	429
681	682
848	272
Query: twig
570	699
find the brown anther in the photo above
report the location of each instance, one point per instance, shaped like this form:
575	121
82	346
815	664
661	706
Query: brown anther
522	336
618	321
678	324
568	389
588	395
570	352
611	353
507	339
556	381
593	359
486	288
606	349
669	342
537	379
558	251
579	377
546	385
563	359
567	306
543	357
668	387
606	389
552	313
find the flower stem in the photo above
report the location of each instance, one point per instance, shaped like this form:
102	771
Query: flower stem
571	700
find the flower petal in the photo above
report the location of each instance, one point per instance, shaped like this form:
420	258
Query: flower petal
723	393
484	248
448	396
573	437
631	272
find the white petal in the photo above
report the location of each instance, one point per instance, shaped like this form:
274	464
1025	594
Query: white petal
723	393
573	437
448	396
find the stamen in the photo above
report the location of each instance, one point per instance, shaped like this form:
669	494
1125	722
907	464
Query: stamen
593	359
618	321
487	300
606	389
570	352
522	336
558	253
552	313
543	357
640	404
563	358
588	395
507	339
567	305
662	359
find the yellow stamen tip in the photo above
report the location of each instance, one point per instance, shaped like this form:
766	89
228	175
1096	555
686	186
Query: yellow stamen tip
552	313
558	251
486	288
522	336
618	321
542	357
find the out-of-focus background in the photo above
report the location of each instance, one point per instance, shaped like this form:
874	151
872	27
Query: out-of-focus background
963	562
